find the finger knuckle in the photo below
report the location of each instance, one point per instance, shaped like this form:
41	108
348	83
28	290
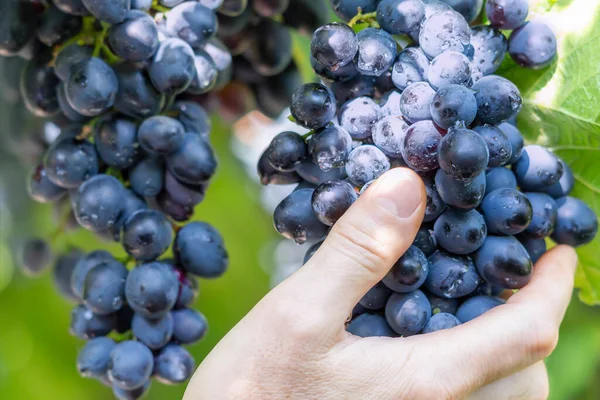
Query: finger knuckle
544	341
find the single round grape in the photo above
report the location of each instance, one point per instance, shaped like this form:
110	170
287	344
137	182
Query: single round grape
408	313
537	169
460	194
358	116
499	178
442	304
516	141
420	147
92	87
154	333
460	232
410	67
173	365
136	97
143	5
84	266
577	224
270	176
476	306
199	250
400	16
330	147
103	289
498	100
134	394
86	325
334	45
65	107
138	46
545	213
351	89
191	22
490	47
470	9
376	297
532	45
161	135
370	325
111	12
70	162
38	87
294	218
565	185
172	68
347	9
62	272
503	261
36	256
194	162
409	272
313	106
451	276
535	247
147	177
310	172
69	56
507	14
286	151
440	322
99	202
388	135
131	364
450	68
435	206
93	358
147	234
377	51
188	292
189	325
452	104
41	188
506	212
366	163
499	146
445	31
131	204
152	289
463	154
116	142
332	199
415	102
206	74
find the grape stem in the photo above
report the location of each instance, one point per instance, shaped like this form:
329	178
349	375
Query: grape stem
159	8
87	130
368	18
99	40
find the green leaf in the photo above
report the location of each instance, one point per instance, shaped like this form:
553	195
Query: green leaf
561	110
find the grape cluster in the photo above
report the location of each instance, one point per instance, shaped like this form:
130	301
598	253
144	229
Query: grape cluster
437	108
127	156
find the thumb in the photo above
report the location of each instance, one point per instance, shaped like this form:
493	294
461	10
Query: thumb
364	244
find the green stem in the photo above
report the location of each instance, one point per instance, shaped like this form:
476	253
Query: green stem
169	103
159	8
110	57
370	18
99	40
308	134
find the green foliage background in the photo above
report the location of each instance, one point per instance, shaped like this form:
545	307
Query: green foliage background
561	110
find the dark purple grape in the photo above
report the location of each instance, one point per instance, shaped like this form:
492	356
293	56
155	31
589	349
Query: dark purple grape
92	87
516	141
136	97
370	325
450	68
445	31
442	304
313	106
451	276
134	39
577	224
94	357
400	16
161	135
460	232
410	67
131	365
191	22
18	22
199	250
565	185
476	306
311	173
409	272
347	9
388	135
376	297
41	188
111	12
532	45
452	104
420	147
499	146
147	177
506	212
38	87
499	178
490	47
503	261
99	202
358	116
330	147
103	289
56	26
470	9
463	154
173	365
331	199
172	68
377	51
415	102
507	14
194	162
342	74
147	234
460	194
116	141
271	51
537	169
152	289
334	45
408	313
69	162
351	89
545	213
86	325
440	322
366	163
286	151
498	100
270	176
294	218
535	247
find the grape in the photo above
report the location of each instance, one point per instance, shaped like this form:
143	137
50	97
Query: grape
452	104
87	325
147	177
56	26
445	31
377	51
199	250
347	9
334	45
69	162
440	322
358	116
537	169
294	218
370	325
68	57
498	100
189	325
233	8
194	162
41	188
366	163
400	16
535	247
410	67
134	394
94	357
103	289
435	206
131	364
99	202
172	68
188	292
174	364
84	266
112	12
313	106
490	46
36	256
136	97
476	306
506	212
17	25
565	185
206	74
409	272
38	86
460	194
161	135
330	147
470	9
116	142
577	223
193	117
138	46
310	172
516	141
434	6
154	333
463	154
532	45
353	88
499	146
415	102
376	297
408	313
449	68
460	232
451	276
425	241
143	5
191	22
270	176
342	74
62	272
507	14
286	151
388	135
65	107
332	199
131	204
152	289
92	87
442	304
73	7
147	234
184	194
270	52
420	147
503	261
499	178
544	217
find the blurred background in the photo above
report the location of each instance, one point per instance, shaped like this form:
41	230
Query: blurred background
37	354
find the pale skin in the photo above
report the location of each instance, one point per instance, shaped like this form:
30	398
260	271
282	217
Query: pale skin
293	345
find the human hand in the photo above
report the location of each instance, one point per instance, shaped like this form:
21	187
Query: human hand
293	343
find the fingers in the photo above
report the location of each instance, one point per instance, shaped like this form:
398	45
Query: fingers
506	339
364	244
